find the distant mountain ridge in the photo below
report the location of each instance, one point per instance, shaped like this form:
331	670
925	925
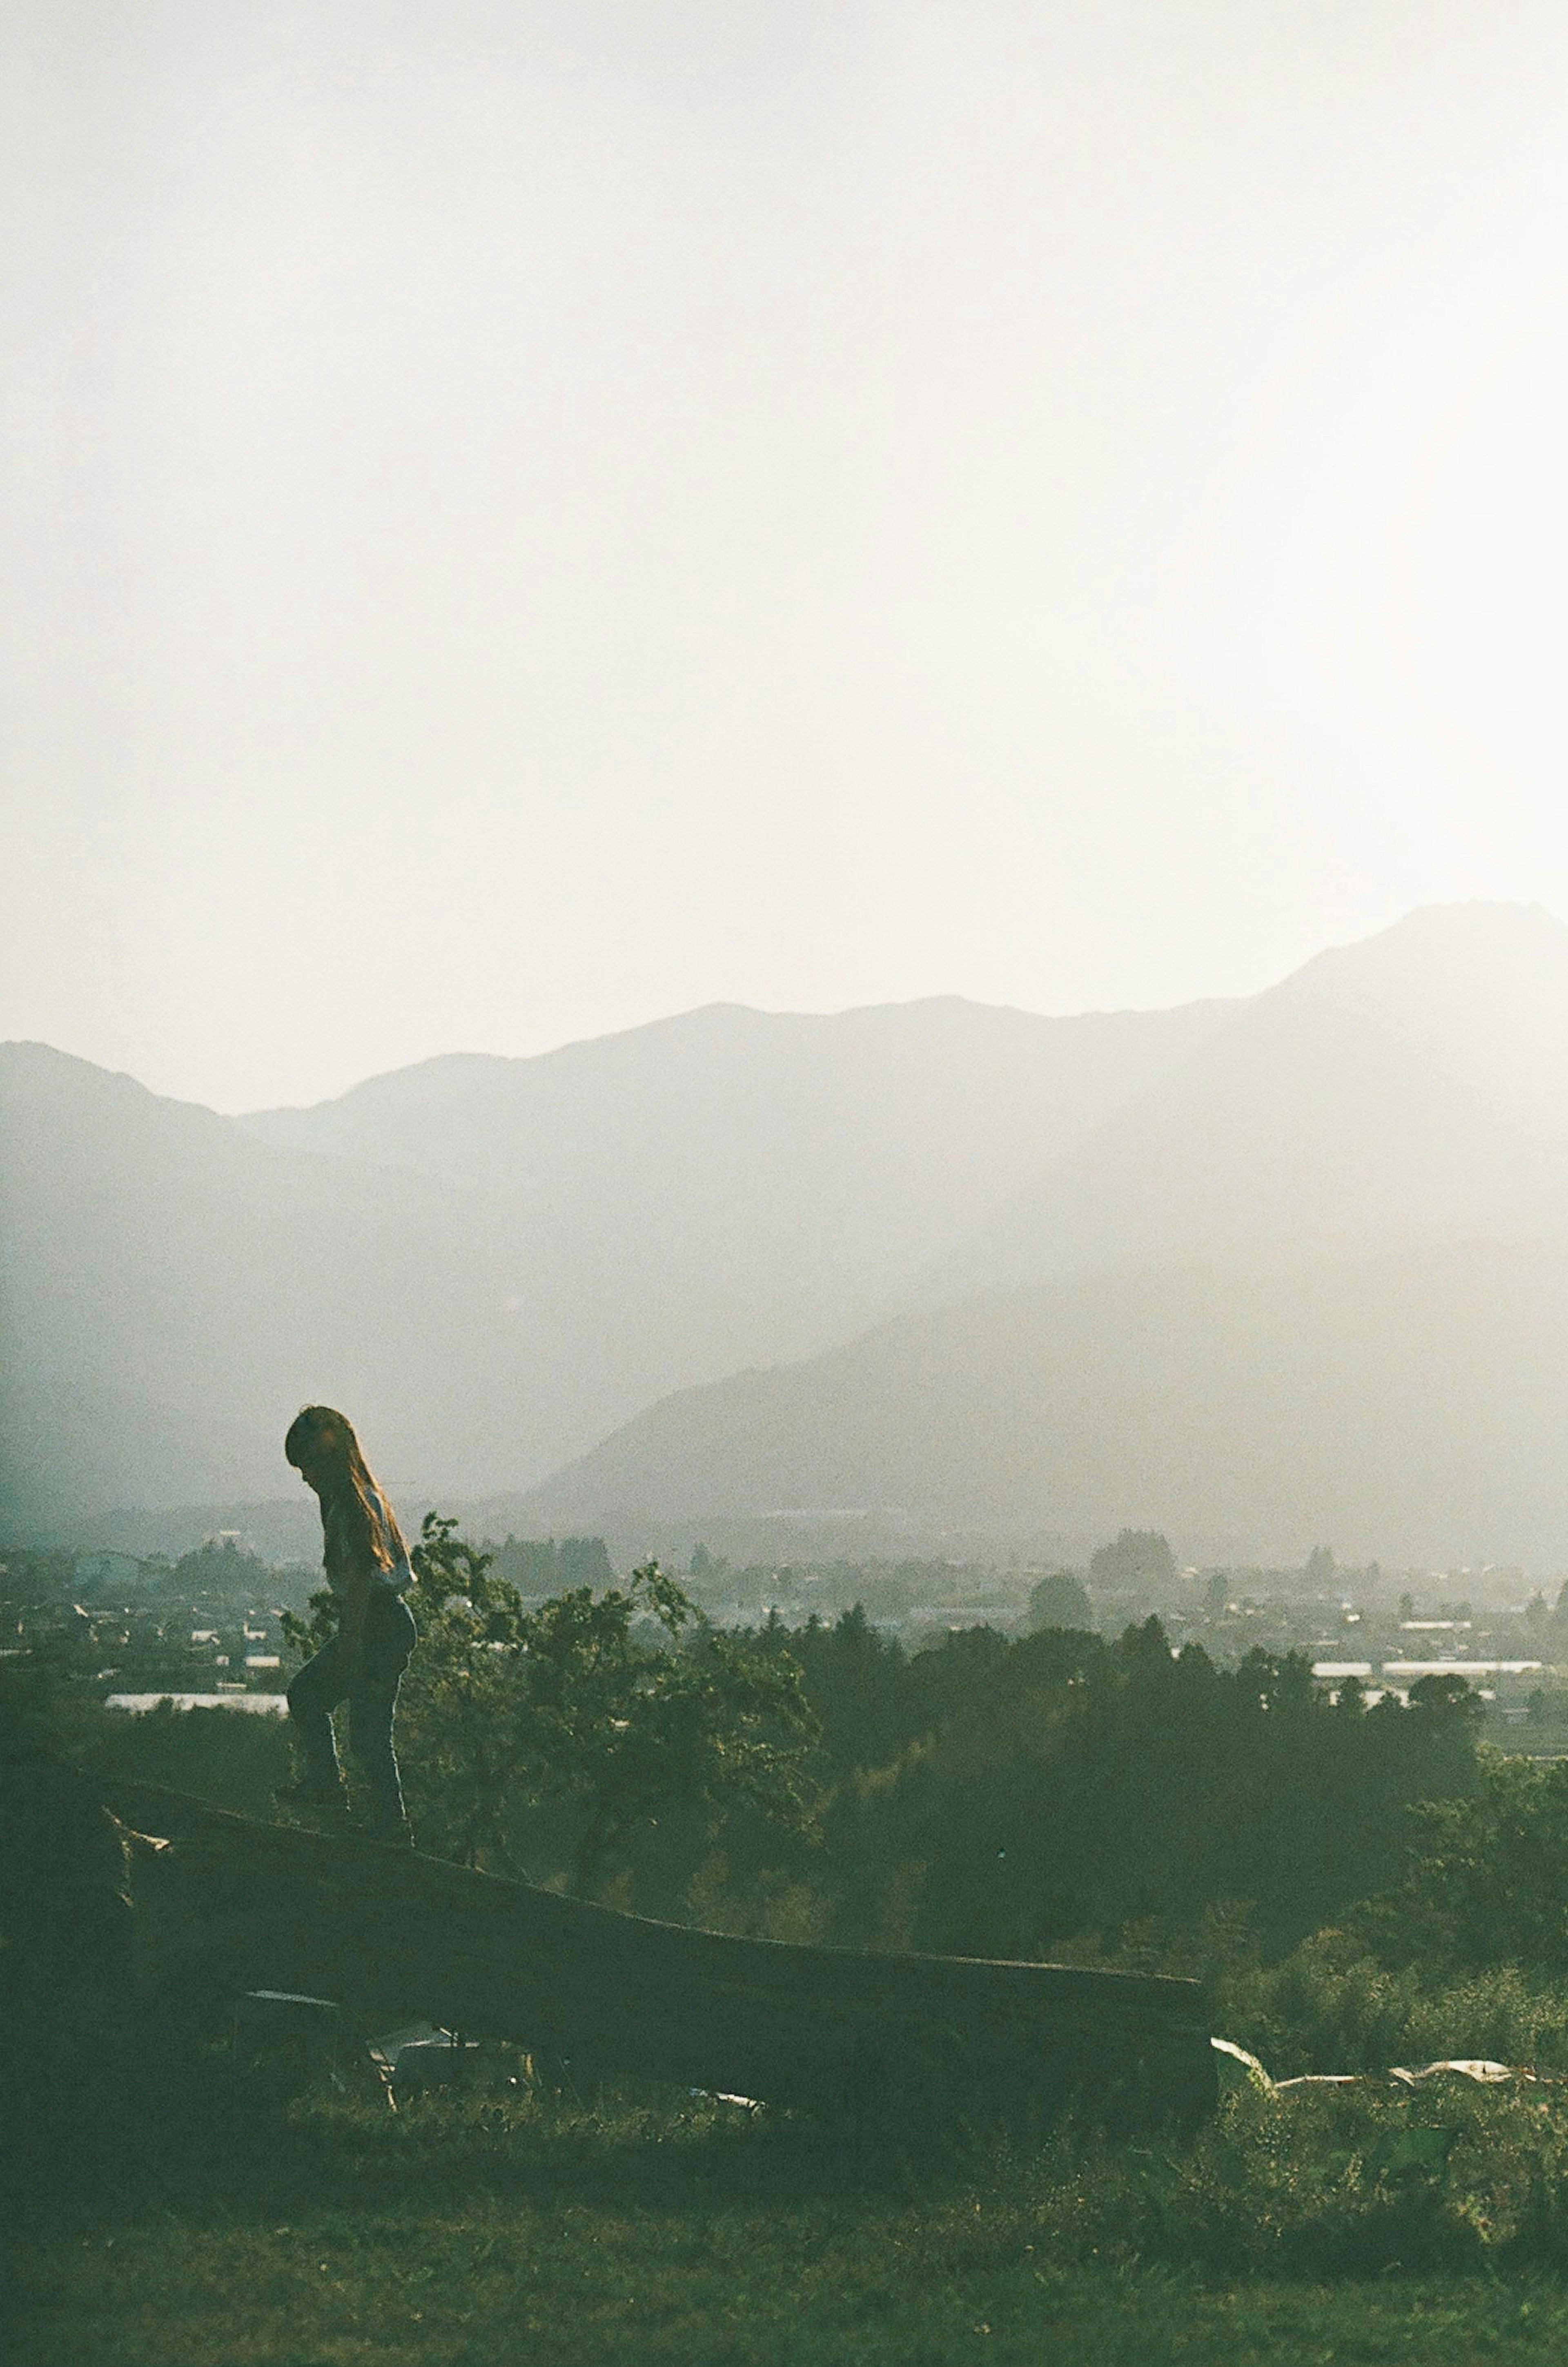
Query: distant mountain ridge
1298	1260
494	1262
1312	1281
1413	1088
1411	1408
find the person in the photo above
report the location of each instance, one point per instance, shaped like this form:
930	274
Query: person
367	1568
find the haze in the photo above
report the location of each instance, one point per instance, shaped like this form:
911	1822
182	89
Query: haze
522	519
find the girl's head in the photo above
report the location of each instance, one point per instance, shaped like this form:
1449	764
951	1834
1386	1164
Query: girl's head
322	1446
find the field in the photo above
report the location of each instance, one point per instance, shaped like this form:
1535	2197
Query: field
332	2233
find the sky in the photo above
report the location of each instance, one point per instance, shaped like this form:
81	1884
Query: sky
526	515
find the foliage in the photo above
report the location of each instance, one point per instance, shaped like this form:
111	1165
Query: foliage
857	1681
1445	1693
1136	1558
571	1725
1332	2182
219	1755
1486	1879
33	1575
1060	1599
35	1707
221	1567
232	1760
547	1565
1332	2006
994	1797
1020	1797
1060	1785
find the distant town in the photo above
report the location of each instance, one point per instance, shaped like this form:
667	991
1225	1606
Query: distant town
208	1628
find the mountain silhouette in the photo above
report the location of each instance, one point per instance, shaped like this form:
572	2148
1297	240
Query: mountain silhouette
1412	1408
1310	1281
493	1261
1284	1268
1413	1088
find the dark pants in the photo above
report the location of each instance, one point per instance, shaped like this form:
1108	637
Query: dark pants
315	1692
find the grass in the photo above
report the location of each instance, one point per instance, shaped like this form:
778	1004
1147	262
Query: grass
472	2294
649	2227
1330	2005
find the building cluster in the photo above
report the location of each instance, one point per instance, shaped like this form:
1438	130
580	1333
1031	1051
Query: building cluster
102	1627
211	1627
1384	1631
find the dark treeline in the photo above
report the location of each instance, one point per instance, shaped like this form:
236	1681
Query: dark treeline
540	1565
1055	1793
1001	1797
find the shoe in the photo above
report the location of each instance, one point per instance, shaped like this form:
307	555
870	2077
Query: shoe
311	1792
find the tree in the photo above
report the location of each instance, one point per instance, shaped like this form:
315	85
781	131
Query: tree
539	1566
857	1681
1280	1682
220	1566
594	1709
459	1697
584	1561
1138	1558
1487	1874
1060	1599
1062	1784
1448	1697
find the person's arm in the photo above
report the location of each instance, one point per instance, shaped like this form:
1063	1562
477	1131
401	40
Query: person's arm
354	1600
350	1572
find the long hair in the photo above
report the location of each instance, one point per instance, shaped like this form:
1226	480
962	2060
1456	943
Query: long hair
323	1437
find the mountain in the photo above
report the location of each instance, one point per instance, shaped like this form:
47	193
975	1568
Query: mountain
1410	1408
490	1262
171	1290
1308	1281
737	1184
1149	1250
731	1186
1413	1088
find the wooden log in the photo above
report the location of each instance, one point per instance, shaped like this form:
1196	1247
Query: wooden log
234	1904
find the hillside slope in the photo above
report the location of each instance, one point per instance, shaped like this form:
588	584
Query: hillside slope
736	1185
1412	1088
493	1263
1407	1408
170	1290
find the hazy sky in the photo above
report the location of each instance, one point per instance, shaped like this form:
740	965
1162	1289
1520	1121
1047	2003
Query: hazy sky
523	517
